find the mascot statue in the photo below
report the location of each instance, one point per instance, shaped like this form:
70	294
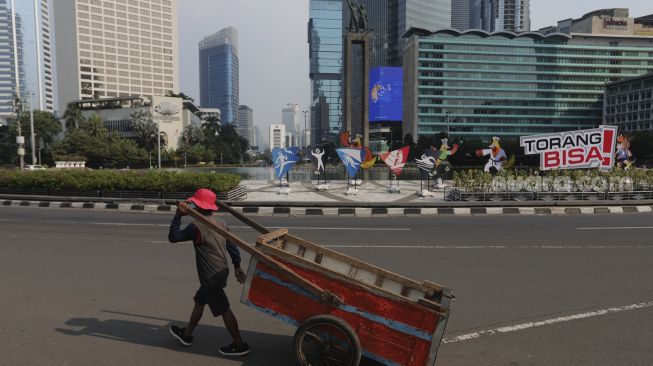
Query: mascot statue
441	163
624	157
497	156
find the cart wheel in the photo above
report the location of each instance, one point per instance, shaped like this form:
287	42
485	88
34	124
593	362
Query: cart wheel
326	340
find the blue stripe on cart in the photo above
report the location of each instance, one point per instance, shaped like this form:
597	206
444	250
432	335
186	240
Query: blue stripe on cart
392	324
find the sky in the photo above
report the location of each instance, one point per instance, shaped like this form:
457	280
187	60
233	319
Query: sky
273	48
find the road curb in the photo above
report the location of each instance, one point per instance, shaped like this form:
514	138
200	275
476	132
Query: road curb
353	211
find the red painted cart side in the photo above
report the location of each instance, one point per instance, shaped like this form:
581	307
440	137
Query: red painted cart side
391	330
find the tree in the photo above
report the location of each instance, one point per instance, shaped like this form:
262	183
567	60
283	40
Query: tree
99	147
211	127
46	128
193	135
73	117
145	129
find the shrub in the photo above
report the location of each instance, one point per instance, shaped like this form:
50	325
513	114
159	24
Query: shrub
112	180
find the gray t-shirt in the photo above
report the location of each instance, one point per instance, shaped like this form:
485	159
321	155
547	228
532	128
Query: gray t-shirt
211	256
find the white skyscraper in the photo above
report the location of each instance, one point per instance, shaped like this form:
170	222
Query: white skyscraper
116	48
25	55
277	136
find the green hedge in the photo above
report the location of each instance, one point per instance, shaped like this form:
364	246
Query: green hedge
479	181
112	180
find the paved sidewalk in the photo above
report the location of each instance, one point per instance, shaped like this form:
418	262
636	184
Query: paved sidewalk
368	191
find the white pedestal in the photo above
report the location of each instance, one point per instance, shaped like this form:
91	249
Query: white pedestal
351	192
323	187
394	189
284	190
357	182
425	193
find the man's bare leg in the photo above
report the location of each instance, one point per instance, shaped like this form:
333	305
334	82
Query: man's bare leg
231	324
195	317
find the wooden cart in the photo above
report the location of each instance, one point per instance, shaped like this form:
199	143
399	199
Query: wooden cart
343	308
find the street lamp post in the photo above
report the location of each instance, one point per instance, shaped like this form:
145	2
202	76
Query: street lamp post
158	140
31	127
20	139
304	136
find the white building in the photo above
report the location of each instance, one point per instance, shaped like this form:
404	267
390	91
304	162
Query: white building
115	48
277	136
173	115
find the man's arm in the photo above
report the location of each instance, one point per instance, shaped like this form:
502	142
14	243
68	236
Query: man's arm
176	235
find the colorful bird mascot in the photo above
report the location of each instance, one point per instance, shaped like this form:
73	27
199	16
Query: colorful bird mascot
441	163
497	156
624	157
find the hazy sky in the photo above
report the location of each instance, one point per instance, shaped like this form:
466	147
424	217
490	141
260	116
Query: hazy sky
273	49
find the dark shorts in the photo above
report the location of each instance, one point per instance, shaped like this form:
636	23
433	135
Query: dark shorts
215	298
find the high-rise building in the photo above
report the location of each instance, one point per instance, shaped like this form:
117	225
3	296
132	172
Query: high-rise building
325	46
460	14
505	15
475	14
219	73
277	136
482	84
246	124
628	103
430	15
26	55
257	137
290	118
116	48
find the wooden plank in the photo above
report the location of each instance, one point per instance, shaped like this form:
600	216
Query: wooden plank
432	287
246	220
433	305
266	238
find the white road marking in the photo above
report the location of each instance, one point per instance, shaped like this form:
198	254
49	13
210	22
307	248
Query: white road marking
330	228
493	246
616	228
126	224
562	319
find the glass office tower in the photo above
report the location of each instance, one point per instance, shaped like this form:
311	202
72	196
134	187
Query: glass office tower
28	22
325	46
219	73
483	84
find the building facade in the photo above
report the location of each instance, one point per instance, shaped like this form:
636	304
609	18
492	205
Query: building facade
219	73
277	136
173	115
290	118
25	56
246	124
617	22
482	84
628	103
108	49
460	14
326	56
500	15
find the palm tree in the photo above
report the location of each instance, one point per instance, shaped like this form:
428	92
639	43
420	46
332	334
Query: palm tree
211	126
73	117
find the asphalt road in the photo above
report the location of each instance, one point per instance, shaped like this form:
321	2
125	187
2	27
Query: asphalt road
83	287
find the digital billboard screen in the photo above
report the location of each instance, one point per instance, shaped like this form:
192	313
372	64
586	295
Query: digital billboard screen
386	94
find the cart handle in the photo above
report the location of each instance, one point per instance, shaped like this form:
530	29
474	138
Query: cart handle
246	220
324	295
